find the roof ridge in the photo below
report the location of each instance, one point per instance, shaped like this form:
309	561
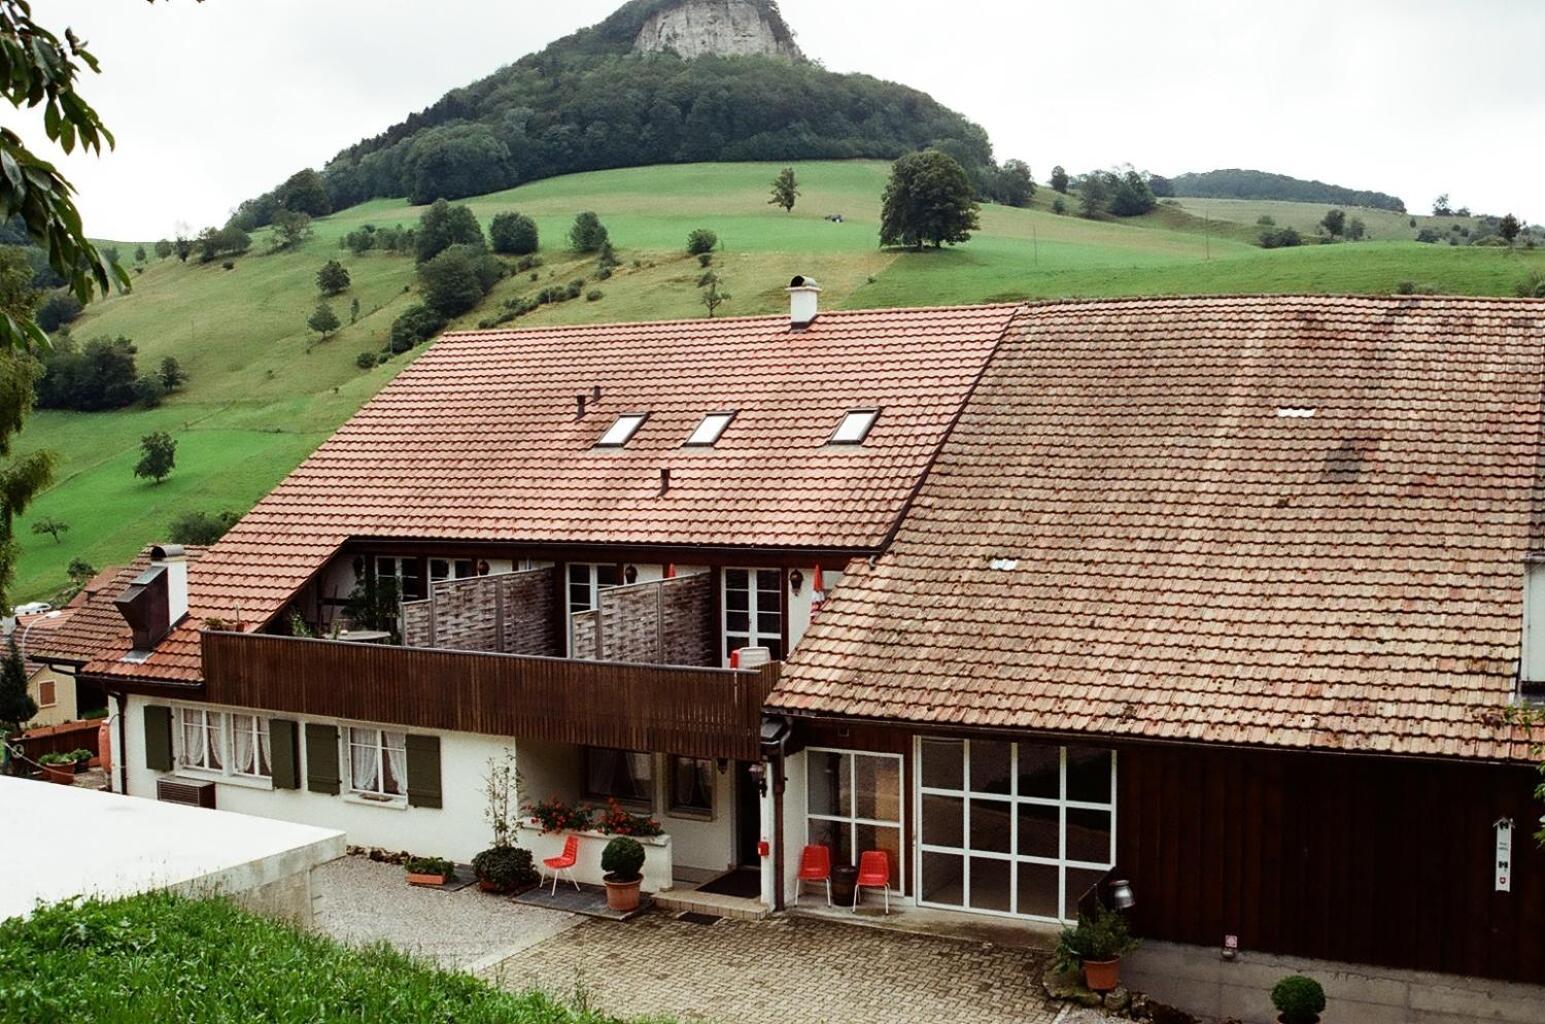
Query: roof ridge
1115	300
713	321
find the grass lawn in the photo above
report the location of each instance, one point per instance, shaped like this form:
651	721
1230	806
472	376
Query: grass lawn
157	958
263	393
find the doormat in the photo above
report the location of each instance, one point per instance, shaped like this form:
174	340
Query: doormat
693	917
743	882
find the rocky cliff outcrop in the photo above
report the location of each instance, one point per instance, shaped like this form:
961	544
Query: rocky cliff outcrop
725	28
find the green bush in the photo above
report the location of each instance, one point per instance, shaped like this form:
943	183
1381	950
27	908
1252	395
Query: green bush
418	324
1298	999
702	241
1281	238
588	233
513	234
505	867
594	295
1105	936
623	859
365	360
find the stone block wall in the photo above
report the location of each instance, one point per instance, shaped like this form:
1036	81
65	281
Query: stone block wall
510	613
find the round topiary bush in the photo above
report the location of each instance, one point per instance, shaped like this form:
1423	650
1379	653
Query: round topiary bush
1299	1000
623	859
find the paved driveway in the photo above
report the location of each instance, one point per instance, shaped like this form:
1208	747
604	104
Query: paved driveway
784	970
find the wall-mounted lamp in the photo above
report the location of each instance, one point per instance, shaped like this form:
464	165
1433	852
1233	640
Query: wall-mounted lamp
796	580
630	574
1121	894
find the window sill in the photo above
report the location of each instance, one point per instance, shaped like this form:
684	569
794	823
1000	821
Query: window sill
393	803
686	814
222	779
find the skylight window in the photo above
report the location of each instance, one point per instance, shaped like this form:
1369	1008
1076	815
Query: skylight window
1295	412
855	426
710	430
622	431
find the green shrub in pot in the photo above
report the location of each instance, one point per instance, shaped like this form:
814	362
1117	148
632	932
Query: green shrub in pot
1099	938
623	859
505	868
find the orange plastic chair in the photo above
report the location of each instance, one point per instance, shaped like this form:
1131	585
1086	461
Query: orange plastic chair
874	872
815	865
563	864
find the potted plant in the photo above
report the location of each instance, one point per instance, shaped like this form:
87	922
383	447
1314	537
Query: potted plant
59	768
1299	1000
623	862
80	759
504	869
429	871
1096	945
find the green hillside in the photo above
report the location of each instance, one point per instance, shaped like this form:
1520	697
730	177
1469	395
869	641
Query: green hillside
262	395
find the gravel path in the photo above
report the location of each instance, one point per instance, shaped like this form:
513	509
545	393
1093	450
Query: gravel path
362	902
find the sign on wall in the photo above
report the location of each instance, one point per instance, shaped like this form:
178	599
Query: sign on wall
1505	855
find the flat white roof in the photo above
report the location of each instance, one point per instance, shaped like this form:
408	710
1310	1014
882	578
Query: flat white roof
66	841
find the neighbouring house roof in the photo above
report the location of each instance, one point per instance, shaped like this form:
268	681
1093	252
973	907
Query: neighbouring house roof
93	627
1287	522
480	440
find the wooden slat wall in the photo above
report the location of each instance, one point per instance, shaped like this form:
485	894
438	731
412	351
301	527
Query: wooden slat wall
1367	860
688	711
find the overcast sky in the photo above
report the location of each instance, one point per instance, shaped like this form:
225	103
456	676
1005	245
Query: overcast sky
216	102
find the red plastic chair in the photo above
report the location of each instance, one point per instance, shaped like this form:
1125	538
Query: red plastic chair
564	862
874	872
815	865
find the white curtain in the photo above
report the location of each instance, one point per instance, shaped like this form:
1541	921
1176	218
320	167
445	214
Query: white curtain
263	750
242	731
215	726
192	738
396	745
364	760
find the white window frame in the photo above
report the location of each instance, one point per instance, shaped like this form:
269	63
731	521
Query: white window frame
1014	857
379	794
623	429
209	731
227	772
455	569
711	429
390	567
594	584
753	635
852	820
843	435
668	779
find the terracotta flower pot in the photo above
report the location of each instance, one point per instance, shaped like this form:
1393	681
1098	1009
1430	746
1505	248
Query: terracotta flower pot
432	881
1102	975
622	896
63	774
487	886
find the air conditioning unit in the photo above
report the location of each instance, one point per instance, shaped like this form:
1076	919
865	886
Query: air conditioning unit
194	794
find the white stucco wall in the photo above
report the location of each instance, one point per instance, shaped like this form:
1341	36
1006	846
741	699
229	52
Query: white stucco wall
794	830
798	605
458	830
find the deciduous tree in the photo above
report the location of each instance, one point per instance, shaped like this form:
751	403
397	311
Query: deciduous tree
158	456
785	190
929	200
333	278
514	234
712	297
444	225
51	527
1059	179
1509	227
588	233
323	320
1334	222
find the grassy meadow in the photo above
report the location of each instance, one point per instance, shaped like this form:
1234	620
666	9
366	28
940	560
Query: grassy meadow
263	393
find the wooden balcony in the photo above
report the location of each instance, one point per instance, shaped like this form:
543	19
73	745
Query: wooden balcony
694	712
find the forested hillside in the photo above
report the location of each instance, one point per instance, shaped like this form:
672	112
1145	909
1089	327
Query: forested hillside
588	102
1234	183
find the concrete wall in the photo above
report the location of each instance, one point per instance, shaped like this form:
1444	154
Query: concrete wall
511	613
64	707
1200	981
457	830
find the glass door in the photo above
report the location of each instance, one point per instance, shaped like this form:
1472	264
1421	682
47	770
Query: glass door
1016	829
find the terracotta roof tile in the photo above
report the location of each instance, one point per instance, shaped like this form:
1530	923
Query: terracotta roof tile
1184	554
93	627
480	440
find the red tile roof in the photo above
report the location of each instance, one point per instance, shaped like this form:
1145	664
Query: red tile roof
479	440
1136	532
92	626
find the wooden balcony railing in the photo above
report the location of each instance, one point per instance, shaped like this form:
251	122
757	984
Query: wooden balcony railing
694	712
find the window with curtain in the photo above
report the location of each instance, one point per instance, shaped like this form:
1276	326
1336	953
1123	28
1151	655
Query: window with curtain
853	803
249	746
623	775
202	739
691	784
378	763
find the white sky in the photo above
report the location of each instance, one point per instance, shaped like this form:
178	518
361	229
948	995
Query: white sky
216	102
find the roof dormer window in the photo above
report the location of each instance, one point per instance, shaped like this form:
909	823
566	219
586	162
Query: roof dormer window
622	431
710	430
855	426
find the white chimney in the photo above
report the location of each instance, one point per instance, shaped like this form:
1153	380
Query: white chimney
804	301
174	560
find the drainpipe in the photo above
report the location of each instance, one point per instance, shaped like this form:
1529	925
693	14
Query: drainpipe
120	767
775	734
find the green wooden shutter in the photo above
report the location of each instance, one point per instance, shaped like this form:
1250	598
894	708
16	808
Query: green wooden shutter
284	753
424	771
158	738
322	759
